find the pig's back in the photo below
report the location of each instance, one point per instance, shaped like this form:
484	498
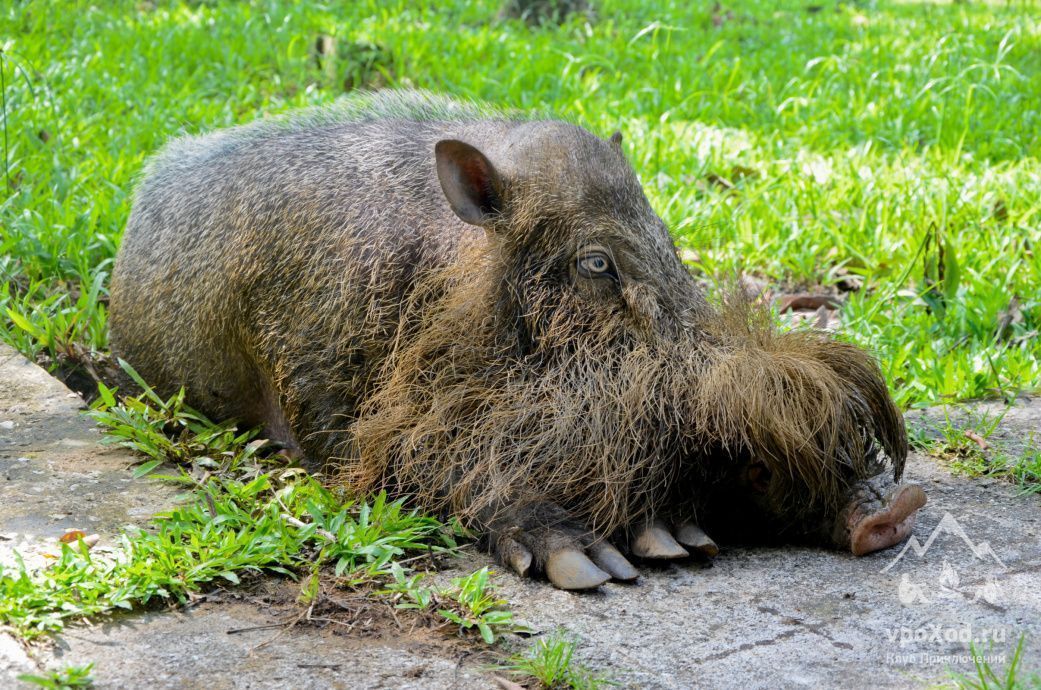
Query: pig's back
262	240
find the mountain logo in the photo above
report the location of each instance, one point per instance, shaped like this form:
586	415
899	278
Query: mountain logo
948	525
948	584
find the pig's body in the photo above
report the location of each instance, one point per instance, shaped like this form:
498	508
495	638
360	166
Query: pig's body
486	314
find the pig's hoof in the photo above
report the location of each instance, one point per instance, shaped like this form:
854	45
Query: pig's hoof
572	569
695	540
655	542
565	554
572	566
611	560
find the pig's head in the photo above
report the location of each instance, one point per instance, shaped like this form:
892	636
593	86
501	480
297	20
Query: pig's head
576	301
756	504
580	260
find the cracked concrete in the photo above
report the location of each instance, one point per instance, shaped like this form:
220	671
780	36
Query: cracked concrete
756	618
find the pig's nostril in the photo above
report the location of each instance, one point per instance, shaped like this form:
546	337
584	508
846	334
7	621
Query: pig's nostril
880	532
884	531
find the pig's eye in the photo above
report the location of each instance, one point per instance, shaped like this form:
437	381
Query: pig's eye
594	263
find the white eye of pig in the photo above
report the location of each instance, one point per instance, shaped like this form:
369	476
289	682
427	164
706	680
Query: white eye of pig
594	263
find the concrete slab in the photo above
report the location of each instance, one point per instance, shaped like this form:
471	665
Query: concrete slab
757	618
54	475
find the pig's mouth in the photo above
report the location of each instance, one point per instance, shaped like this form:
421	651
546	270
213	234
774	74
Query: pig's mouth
880	516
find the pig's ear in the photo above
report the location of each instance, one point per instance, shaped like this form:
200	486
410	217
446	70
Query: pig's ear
469	181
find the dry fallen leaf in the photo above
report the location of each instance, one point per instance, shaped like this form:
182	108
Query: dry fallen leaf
721	16
73	535
506	684
740	172
1000	210
719	181
807	301
977	439
1012	315
847	281
823	315
754	288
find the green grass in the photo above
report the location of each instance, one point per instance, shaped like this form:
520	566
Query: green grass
66	678
168	431
863	139
222	532
470	603
550	662
965	441
241	514
1012	677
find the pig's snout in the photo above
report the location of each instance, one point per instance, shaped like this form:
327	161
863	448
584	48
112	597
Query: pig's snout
879	519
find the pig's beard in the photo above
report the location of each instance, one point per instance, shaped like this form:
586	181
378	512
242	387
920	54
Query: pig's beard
473	431
814	410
